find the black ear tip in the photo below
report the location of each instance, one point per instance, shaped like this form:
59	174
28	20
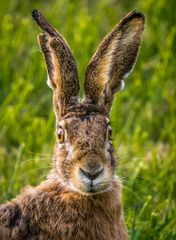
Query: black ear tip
132	15
35	14
136	14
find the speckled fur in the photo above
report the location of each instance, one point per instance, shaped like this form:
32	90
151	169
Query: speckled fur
66	206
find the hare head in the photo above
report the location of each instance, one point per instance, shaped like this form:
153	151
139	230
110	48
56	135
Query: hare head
84	159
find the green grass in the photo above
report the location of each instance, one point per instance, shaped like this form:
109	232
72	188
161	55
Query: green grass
143	115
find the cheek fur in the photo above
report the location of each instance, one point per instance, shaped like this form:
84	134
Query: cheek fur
107	151
70	151
63	162
110	155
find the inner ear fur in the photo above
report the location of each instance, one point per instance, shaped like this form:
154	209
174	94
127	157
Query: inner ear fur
113	60
60	65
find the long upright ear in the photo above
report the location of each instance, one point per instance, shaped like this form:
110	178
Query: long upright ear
113	61
60	64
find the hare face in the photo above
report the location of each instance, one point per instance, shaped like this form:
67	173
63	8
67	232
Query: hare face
85	160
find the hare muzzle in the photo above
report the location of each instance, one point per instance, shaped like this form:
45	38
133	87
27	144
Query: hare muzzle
92	177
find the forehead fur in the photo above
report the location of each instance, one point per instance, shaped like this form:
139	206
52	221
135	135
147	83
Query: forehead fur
83	128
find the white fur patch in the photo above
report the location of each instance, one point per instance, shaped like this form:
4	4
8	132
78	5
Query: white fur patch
49	82
128	73
70	151
87	181
122	85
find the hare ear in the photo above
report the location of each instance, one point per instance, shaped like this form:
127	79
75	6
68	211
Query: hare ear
113	60
60	64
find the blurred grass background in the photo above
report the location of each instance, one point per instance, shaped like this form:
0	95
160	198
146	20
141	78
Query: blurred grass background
143	115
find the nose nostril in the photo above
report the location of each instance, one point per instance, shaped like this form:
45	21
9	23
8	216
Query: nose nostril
93	174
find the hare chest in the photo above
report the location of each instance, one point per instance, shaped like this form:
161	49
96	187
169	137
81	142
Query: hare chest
85	221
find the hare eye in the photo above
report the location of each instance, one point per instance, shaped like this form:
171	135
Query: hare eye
109	132
60	135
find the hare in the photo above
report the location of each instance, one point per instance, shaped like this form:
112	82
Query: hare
81	198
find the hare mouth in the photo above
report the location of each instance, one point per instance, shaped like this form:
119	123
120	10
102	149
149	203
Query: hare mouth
96	188
90	189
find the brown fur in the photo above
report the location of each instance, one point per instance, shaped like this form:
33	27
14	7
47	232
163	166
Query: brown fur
114	58
81	199
52	212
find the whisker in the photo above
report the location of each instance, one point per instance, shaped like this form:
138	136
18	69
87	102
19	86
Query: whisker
34	160
33	170
134	193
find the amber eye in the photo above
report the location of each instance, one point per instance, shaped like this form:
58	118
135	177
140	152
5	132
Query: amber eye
109	132
60	135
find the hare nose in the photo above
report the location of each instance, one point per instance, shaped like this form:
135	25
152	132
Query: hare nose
93	173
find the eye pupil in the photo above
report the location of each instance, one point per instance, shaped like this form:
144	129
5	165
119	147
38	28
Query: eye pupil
60	135
109	132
